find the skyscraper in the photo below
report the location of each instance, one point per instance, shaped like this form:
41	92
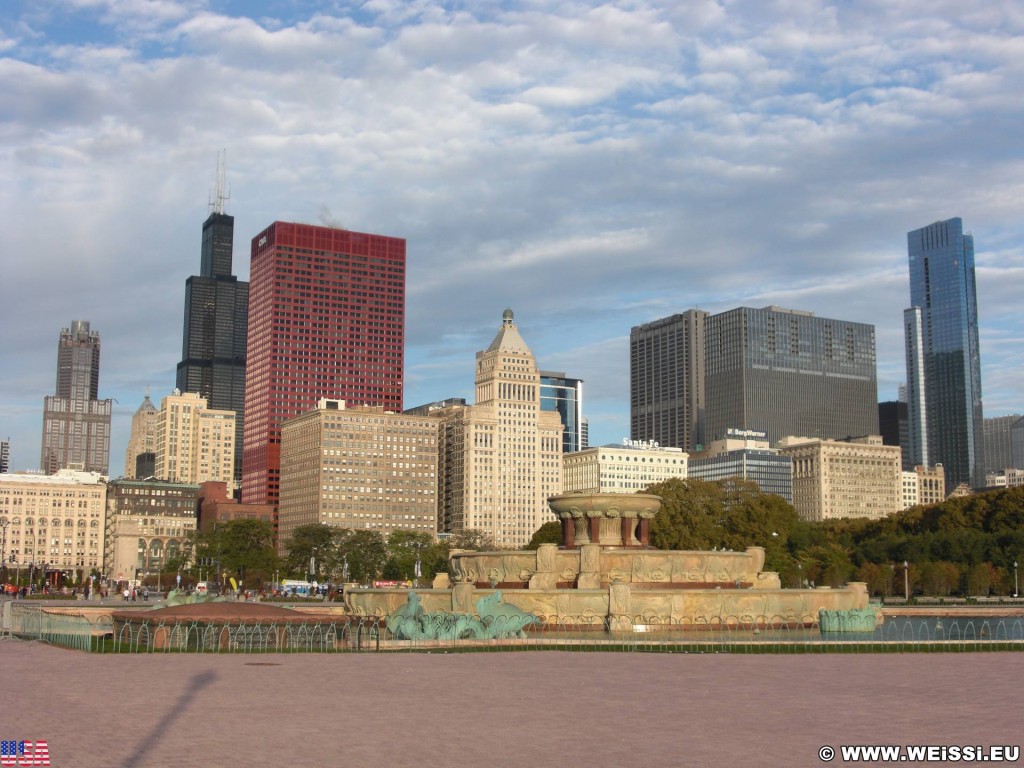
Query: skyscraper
326	320
140	455
943	358
564	395
786	372
76	424
500	459
666	377
194	443
216	321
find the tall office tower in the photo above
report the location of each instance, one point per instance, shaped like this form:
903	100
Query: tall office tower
500	460
943	359
141	451
666	381
564	395
194	444
893	426
999	443
326	320
5	453
76	425
787	372
216	322
362	468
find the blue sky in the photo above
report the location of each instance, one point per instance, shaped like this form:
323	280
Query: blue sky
591	166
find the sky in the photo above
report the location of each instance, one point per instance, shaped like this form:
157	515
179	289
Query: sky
591	166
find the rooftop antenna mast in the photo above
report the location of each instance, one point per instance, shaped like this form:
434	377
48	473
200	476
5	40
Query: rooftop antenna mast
221	193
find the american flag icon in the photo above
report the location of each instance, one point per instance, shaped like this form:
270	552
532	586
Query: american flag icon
23	754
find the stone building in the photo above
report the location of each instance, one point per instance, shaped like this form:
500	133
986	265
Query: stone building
500	459
140	455
194	443
147	523
627	468
55	522
745	453
859	477
924	486
362	468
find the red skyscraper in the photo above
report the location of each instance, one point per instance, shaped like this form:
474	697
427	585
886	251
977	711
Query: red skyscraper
326	319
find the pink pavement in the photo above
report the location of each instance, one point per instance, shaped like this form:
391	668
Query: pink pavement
520	709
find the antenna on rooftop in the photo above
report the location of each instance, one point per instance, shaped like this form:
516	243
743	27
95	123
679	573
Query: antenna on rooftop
221	192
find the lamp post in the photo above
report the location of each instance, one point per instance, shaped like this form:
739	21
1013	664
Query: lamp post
4	522
1015	578
906	580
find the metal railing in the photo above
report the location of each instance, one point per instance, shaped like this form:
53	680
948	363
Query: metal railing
344	634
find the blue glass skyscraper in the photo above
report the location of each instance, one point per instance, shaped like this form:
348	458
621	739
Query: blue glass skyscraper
563	394
943	359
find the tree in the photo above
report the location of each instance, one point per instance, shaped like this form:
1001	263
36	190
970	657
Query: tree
404	549
691	515
240	546
364	552
314	542
549	533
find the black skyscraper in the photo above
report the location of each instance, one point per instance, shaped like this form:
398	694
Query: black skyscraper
216	321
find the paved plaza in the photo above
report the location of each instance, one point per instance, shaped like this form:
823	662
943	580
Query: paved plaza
519	709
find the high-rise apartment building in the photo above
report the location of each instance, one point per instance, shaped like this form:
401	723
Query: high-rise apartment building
666	377
943	358
76	424
326	320
194	444
216	323
140	455
361	468
500	459
787	372
564	395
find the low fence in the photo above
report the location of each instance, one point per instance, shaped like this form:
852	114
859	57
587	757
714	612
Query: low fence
324	634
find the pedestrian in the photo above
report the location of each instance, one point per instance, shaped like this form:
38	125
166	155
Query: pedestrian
127	594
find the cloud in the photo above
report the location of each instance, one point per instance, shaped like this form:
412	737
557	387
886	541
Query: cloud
593	167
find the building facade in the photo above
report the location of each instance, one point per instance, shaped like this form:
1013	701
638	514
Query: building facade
943	356
326	320
5	454
666	378
745	454
788	372
55	522
213	348
360	468
194	444
894	427
148	523
628	468
924	486
500	459
999	448
833	479
76	424
564	395
142	441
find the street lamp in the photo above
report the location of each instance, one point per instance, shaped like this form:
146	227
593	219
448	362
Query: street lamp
4	522
906	580
1015	578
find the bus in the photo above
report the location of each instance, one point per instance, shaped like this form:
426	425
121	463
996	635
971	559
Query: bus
293	587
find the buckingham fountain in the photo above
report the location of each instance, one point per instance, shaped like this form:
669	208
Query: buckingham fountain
604	576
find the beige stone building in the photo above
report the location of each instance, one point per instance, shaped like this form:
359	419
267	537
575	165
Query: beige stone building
859	477
627	468
194	444
361	467
54	522
924	486
500	459
148	522
142	441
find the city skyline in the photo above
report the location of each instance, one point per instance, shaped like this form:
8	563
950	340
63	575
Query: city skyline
596	168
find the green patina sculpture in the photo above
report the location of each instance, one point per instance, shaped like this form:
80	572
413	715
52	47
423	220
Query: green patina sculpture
852	620
179	597
496	620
